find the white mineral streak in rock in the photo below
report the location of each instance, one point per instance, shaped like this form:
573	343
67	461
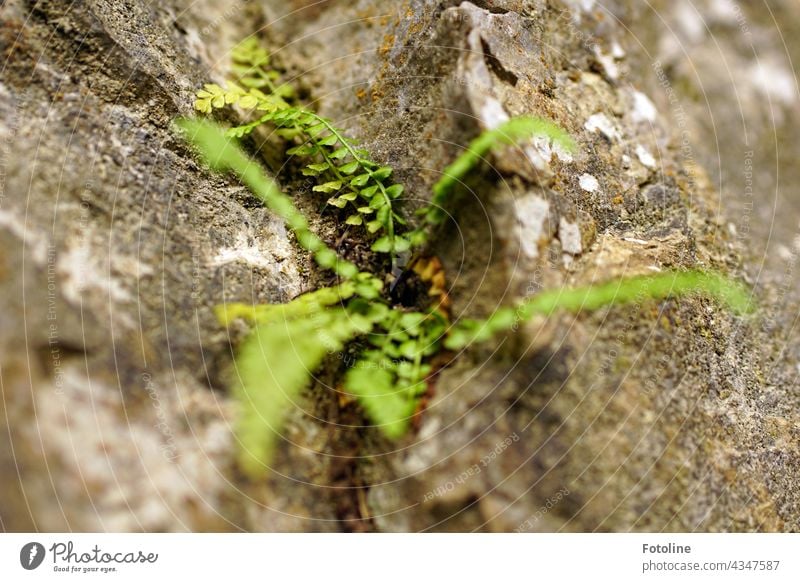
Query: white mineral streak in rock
645	157
80	273
532	212
643	108
774	81
608	62
583	5
569	233
492	113
34	240
490	110
546	148
690	21
599	122
589	183
245	251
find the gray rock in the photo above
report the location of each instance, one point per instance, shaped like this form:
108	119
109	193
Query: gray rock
116	243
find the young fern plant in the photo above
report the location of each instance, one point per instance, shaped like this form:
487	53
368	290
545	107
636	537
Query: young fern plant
395	345
289	341
346	173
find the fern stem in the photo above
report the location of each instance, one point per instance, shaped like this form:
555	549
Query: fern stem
508	133
593	297
222	154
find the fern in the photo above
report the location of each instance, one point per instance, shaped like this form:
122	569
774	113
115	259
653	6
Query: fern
290	340
394	346
593	297
391	374
274	364
346	173
508	133
221	154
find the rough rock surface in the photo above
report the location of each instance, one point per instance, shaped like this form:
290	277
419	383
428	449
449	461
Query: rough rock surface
116	243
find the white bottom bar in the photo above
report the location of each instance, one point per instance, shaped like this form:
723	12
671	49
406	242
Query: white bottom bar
399	557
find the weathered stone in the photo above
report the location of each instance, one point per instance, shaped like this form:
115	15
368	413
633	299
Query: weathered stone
116	243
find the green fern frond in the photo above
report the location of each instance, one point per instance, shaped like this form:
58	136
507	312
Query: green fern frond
362	285
289	341
509	133
390	376
221	153
386	405
346	173
618	292
274	364
251	64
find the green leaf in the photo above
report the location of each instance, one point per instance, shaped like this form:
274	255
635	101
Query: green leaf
273	365
286	91
382	245
349	168
238	132
211	90
328	187
360	180
328	140
417	237
287	133
350	196
249	51
401	244
315	169
326	258
302	306
248	102
288	114
367	291
411	322
374	226
409	349
382	173
339	154
302	150
383	213
395	191
369	191
315	130
388	408
364	154
365	210
338	202
354	220
203	105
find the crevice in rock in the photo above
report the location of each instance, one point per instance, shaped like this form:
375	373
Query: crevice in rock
496	66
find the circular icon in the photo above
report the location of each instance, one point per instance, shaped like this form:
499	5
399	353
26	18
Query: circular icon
31	555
